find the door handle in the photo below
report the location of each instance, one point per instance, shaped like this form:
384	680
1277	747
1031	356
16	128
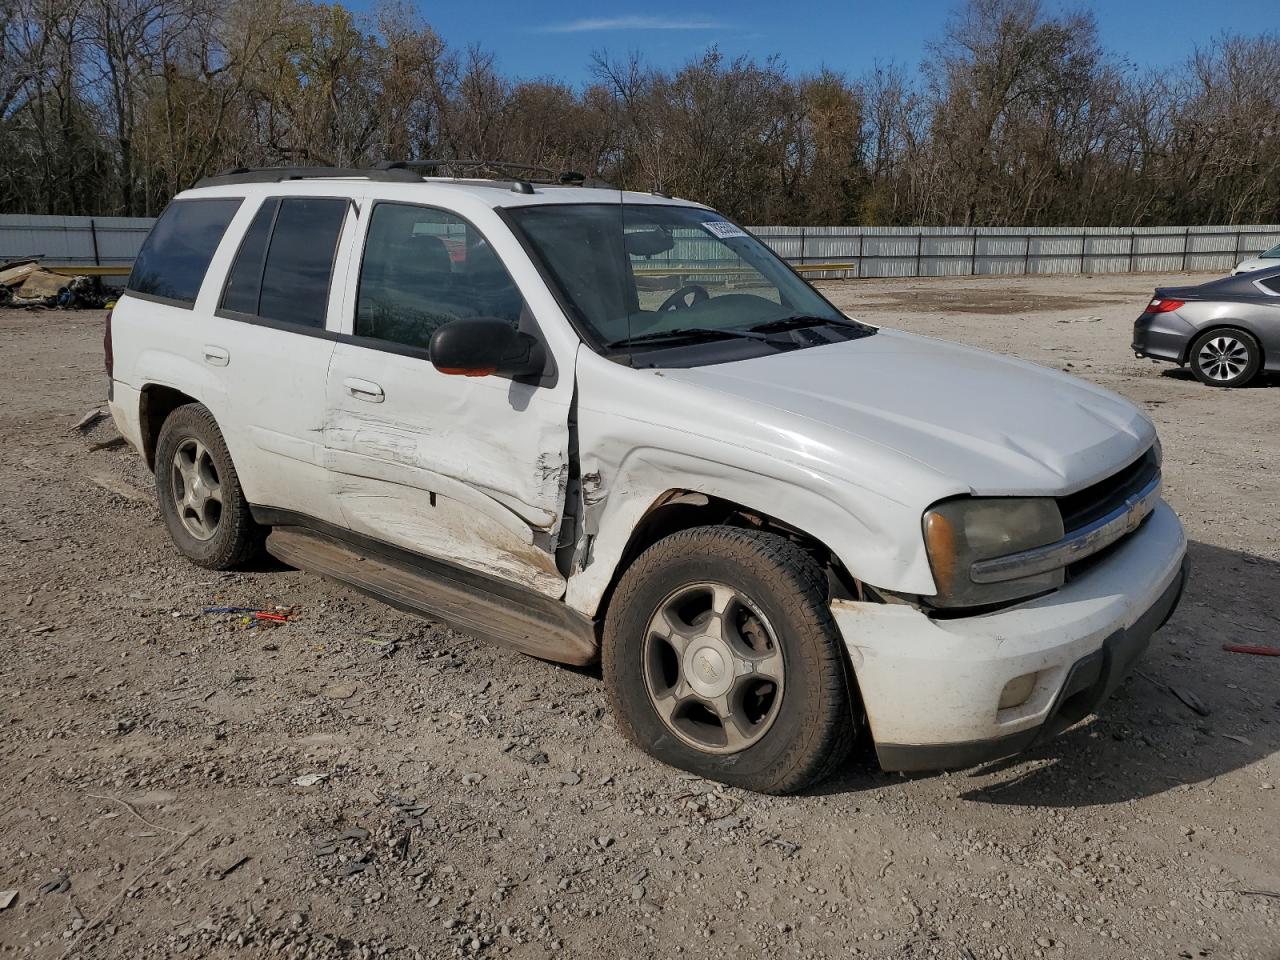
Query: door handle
218	356
364	389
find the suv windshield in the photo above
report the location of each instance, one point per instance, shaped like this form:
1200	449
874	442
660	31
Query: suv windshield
654	276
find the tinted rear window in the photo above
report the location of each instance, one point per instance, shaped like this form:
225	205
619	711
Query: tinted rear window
176	254
244	282
295	279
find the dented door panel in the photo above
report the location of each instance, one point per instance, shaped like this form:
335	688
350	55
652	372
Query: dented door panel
470	470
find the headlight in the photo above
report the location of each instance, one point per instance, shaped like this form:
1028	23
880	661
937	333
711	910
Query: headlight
960	532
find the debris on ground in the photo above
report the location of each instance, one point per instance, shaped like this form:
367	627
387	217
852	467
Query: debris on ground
89	419
309	779
57	885
223	872
7	897
253	616
1256	651
1190	699
27	284
42	288
14	273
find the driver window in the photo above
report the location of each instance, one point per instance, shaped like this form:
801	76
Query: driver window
423	268
684	265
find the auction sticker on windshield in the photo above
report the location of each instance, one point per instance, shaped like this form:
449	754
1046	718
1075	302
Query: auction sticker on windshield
723	229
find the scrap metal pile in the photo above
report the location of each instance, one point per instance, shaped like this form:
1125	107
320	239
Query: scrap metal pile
26	284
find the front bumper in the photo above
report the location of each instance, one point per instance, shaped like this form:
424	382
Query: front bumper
931	688
1162	336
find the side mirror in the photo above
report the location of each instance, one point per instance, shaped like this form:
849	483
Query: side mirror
483	346
648	243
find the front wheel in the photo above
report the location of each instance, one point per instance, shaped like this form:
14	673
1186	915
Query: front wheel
721	658
1225	358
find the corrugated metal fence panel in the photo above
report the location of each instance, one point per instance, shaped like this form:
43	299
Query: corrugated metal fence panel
72	239
858	251
954	251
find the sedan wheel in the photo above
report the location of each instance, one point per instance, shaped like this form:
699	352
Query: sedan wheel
1225	358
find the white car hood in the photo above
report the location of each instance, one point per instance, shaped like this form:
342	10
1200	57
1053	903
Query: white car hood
1256	263
979	422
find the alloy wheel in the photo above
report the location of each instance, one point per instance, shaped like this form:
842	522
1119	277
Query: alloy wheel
197	491
1223	357
713	667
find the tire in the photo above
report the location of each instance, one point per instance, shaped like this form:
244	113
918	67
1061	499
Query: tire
780	740
212	527
1225	357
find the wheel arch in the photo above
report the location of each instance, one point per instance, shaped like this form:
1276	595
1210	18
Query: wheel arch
156	401
680	509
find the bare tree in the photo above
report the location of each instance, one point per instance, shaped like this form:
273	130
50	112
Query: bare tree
1018	116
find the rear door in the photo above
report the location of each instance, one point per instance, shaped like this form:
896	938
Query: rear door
467	470
277	336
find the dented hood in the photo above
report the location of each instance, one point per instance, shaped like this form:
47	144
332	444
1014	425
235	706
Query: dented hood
978	422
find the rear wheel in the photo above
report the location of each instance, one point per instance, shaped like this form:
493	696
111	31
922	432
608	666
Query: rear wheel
1225	358
199	492
721	658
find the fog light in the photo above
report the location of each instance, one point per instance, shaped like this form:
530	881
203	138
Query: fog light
1017	691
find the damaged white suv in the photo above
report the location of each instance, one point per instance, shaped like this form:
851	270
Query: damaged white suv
591	424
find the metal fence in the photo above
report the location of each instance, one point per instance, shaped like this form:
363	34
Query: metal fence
859	252
820	252
74	241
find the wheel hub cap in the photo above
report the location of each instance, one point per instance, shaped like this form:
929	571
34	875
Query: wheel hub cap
713	668
707	667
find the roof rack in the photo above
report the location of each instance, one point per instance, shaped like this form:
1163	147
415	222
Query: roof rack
523	175
281	174
519	172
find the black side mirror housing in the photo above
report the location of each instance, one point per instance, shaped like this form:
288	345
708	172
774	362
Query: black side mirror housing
648	243
484	346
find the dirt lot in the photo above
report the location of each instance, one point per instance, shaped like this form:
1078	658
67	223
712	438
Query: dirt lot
476	802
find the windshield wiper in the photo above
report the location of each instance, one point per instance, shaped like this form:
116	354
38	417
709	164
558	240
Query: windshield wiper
797	321
691	334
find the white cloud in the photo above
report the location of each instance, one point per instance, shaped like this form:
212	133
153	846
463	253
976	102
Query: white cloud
600	24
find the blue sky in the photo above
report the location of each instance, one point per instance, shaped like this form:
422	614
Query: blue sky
557	40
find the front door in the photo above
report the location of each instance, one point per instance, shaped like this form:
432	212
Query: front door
470	470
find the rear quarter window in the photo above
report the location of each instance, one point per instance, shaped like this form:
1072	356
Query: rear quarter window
176	254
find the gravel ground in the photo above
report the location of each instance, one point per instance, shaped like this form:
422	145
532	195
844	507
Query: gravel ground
468	801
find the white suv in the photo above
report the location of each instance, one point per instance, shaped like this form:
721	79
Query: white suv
592	424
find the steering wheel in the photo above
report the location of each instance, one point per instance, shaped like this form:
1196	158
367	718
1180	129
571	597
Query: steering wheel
686	297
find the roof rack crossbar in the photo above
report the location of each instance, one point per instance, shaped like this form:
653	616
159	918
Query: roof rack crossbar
518	171
282	174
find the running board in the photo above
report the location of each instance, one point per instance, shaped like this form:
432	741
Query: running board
534	627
